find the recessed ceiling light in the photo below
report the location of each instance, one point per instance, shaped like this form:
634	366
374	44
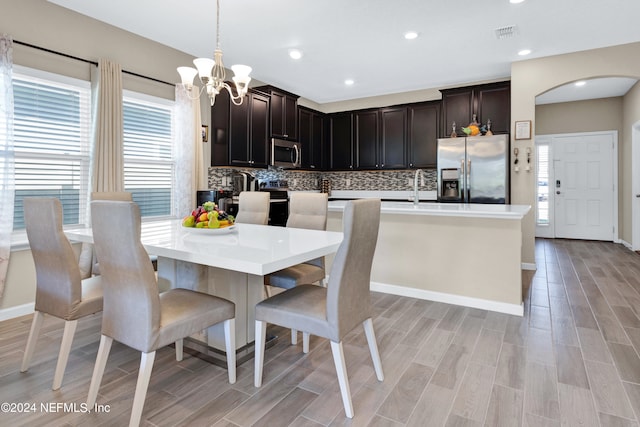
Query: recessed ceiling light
410	35
515	1
295	54
524	52
349	82
581	83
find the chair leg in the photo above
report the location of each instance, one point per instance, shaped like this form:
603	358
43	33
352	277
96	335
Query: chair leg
144	375
230	347
343	380
261	336
98	369
65	348
305	342
294	337
373	348
179	350
36	324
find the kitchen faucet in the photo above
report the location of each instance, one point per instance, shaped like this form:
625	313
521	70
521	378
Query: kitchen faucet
416	198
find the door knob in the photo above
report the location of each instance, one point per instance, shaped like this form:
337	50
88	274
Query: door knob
638	195
557	192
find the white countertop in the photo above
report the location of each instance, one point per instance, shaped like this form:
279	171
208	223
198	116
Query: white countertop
446	209
404	195
253	249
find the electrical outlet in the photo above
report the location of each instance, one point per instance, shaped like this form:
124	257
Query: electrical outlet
409	183
422	180
347	182
295	182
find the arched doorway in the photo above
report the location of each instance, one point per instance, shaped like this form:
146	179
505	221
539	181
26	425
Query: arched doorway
597	106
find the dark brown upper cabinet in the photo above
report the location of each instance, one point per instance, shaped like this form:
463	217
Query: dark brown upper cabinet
341	141
488	102
365	128
380	138
494	103
220	130
311	135
240	133
249	134
424	125
392	150
283	113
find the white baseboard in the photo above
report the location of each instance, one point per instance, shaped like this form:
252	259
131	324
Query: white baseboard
501	307
626	244
528	266
16	311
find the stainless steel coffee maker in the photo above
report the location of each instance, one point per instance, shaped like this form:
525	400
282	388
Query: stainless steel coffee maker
243	181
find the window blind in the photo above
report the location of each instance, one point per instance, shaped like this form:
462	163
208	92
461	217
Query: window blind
51	143
148	161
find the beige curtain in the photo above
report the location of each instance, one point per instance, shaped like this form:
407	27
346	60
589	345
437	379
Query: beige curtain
107	162
107	172
190	172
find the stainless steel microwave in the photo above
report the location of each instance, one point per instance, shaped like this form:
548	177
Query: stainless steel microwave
285	154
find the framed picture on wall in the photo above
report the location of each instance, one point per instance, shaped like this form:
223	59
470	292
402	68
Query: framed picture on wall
523	129
205	133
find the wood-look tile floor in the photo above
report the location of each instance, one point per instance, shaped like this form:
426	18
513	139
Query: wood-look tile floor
573	359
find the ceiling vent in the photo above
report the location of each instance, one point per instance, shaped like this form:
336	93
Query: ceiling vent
506	32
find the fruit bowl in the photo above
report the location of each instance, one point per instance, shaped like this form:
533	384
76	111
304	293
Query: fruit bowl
222	230
209	218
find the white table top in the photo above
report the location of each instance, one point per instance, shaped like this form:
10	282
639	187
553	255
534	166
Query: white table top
446	209
253	249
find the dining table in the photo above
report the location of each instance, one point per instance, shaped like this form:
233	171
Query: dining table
227	262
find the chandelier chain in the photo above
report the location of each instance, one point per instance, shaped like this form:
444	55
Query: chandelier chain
217	24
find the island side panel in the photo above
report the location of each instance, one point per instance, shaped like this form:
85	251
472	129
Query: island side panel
468	257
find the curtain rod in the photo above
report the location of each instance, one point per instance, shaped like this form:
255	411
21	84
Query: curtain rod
44	49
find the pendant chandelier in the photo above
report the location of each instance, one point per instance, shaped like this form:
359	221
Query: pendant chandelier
212	73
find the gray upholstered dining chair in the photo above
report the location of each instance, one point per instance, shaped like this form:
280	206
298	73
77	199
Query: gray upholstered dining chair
306	210
253	207
333	311
134	313
122	196
60	291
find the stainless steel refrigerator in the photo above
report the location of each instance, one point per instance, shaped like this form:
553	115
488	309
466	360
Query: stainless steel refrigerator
474	169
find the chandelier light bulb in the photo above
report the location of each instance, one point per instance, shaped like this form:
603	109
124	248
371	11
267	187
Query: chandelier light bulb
187	74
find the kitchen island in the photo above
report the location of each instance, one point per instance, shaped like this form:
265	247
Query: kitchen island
464	254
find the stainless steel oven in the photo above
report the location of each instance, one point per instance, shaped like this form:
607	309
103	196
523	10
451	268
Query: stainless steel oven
279	201
285	154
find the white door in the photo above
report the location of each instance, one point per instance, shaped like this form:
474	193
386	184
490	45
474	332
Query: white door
583	185
635	174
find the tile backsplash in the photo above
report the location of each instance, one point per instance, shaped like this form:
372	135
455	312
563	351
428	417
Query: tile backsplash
391	180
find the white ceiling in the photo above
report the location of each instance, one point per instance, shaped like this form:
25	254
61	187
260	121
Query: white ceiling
363	39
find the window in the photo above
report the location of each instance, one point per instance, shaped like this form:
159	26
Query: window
51	141
542	189
148	160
